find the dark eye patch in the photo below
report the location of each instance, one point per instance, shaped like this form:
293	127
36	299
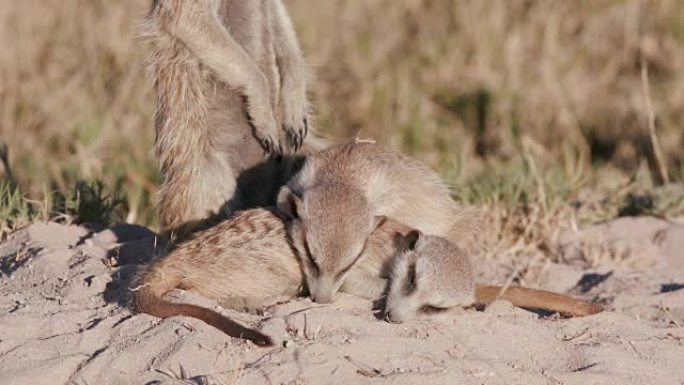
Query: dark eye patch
315	269
410	281
346	269
427	309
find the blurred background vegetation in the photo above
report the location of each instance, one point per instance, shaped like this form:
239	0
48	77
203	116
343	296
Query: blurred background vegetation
544	108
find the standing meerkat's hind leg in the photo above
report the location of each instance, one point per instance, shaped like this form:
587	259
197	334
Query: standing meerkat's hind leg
190	200
196	25
537	299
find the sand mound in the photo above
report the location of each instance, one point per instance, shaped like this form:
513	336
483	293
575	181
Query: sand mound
61	322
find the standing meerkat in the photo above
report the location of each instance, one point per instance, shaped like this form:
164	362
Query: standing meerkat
340	195
248	262
230	84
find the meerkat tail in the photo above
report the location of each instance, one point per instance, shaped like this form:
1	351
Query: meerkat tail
148	299
536	299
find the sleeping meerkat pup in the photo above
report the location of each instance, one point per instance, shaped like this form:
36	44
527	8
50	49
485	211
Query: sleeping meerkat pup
341	194
230	84
431	272
428	271
247	262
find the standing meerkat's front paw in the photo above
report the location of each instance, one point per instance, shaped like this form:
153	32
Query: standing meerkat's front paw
265	128
295	112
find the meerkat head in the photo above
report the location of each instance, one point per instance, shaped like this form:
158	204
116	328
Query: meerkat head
330	225
427	272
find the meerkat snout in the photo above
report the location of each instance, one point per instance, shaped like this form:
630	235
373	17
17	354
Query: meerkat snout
388	317
428	271
322	290
395	317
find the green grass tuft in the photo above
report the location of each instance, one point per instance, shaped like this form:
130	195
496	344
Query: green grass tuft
86	203
15	210
90	202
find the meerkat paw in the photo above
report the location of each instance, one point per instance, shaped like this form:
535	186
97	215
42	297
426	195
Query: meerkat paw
266	133
296	122
270	143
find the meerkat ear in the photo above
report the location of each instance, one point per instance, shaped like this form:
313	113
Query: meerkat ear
289	203
412	239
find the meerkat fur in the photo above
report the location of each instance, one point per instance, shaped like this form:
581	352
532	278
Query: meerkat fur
340	195
248	263
230	86
245	263
428	271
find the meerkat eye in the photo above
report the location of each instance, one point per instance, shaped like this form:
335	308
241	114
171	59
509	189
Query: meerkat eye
410	282
314	264
314	269
356	259
429	309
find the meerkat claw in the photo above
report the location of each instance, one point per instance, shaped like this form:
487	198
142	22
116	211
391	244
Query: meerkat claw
294	138
272	147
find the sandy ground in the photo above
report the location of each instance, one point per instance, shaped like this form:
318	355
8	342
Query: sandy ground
61	322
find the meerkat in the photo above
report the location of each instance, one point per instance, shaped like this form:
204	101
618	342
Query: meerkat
245	262
340	195
230	84
429	272
248	262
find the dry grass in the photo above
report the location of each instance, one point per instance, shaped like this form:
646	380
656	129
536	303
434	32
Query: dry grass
522	105
75	102
446	79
